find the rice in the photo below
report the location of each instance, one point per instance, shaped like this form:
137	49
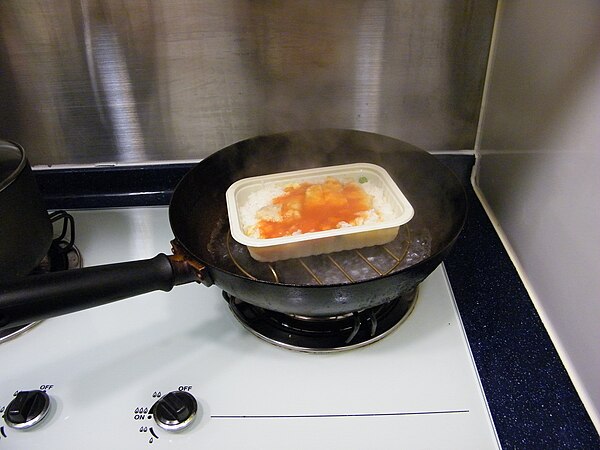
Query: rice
259	206
257	201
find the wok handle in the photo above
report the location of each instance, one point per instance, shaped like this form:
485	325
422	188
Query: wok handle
28	299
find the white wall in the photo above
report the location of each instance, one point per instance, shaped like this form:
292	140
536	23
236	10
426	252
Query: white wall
539	154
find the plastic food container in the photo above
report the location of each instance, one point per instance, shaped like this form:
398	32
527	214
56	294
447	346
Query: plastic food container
399	212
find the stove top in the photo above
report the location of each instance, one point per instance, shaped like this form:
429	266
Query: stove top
114	376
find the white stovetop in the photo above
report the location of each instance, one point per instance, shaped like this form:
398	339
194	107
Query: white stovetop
417	388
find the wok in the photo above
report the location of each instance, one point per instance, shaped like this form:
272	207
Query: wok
198	218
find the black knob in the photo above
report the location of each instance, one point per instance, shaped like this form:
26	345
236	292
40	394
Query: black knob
175	411
27	409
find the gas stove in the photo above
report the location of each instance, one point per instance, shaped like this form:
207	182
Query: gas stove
178	369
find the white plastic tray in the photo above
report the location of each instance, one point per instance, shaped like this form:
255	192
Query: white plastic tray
329	241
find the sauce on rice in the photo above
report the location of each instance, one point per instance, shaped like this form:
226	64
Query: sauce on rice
309	207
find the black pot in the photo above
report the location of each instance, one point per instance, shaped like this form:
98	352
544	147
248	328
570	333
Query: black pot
25	228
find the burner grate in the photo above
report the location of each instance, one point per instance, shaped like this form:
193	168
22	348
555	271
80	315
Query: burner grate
323	334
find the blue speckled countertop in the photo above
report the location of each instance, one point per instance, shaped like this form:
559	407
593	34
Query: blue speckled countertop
531	397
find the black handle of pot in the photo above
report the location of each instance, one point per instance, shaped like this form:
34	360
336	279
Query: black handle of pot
37	297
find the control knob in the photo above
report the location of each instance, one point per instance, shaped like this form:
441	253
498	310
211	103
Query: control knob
175	411
27	409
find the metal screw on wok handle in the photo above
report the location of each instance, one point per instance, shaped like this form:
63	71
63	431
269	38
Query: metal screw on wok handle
186	267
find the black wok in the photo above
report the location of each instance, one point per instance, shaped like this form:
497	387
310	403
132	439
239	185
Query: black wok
198	219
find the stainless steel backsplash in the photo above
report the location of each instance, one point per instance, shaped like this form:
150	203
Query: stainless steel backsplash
94	81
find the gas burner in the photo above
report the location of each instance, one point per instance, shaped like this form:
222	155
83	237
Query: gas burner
62	255
58	259
323	334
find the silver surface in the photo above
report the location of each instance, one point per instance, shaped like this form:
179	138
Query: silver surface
91	81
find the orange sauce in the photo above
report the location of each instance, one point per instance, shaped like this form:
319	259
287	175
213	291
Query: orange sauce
309	207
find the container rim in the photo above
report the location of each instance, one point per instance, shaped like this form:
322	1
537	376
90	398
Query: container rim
4	183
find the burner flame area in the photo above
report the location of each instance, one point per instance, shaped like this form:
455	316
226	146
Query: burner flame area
323	334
